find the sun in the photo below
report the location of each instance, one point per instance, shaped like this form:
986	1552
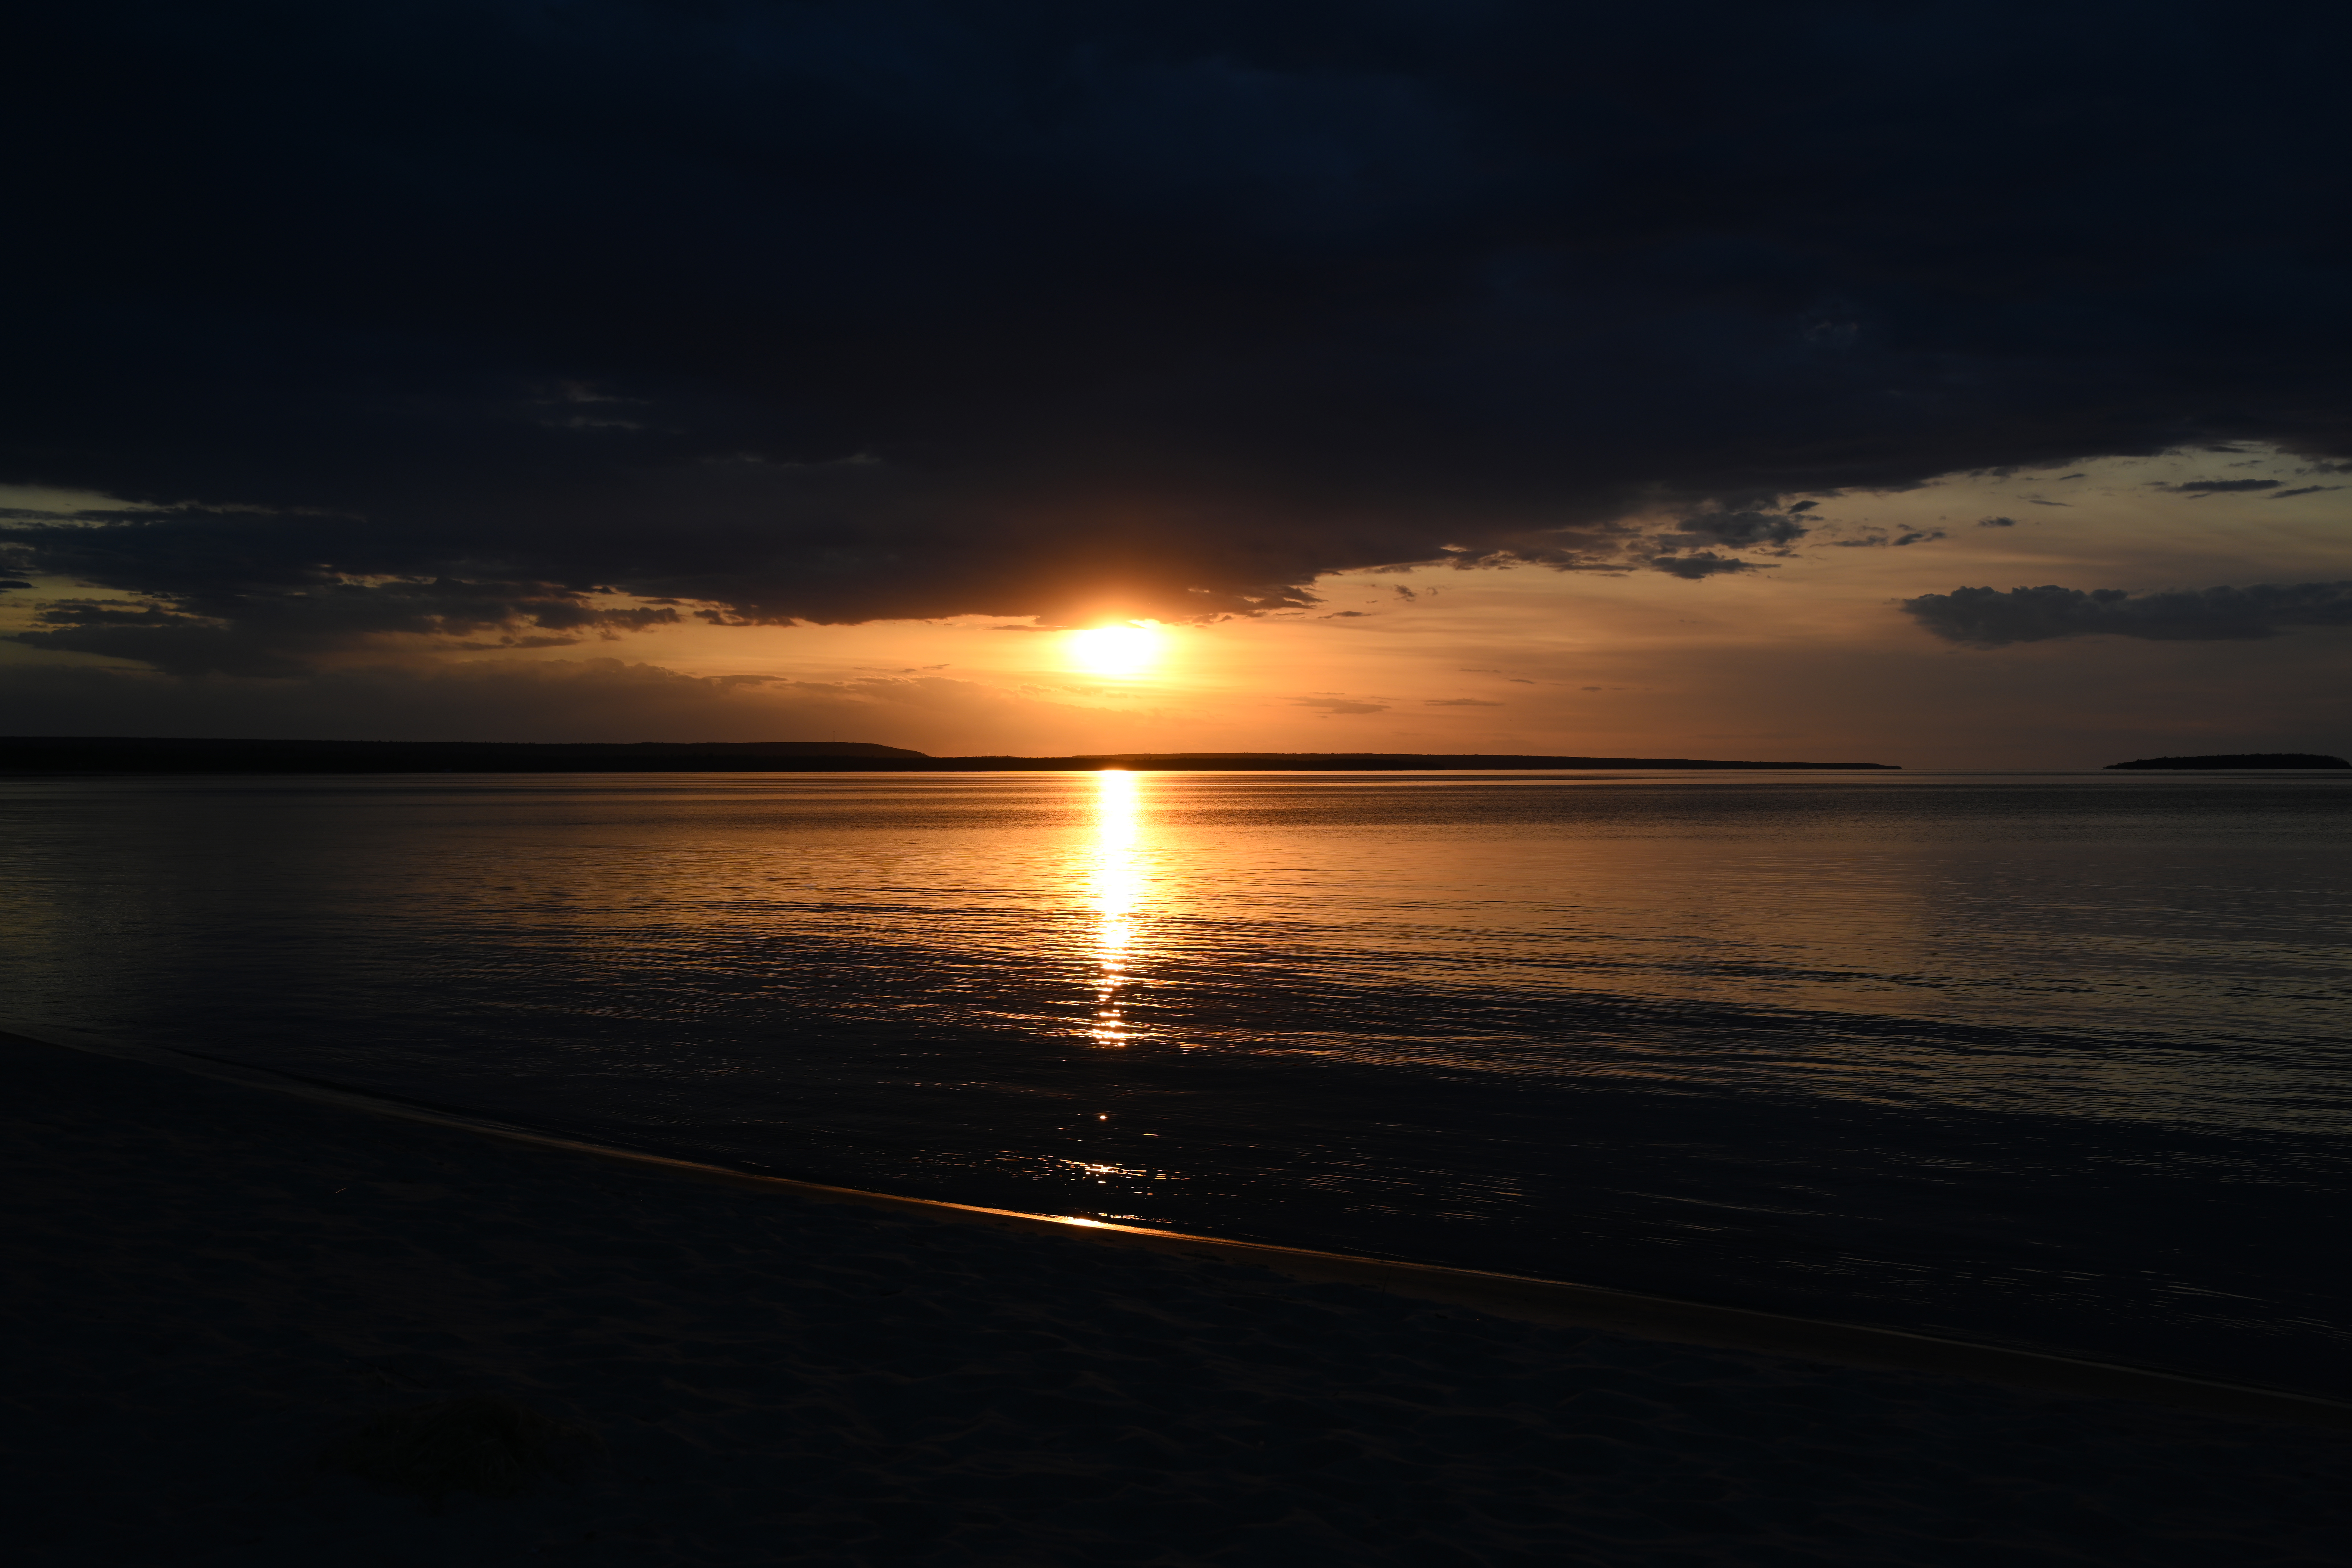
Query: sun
1114	651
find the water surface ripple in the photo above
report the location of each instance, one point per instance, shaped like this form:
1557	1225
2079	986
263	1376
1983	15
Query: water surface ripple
2050	1060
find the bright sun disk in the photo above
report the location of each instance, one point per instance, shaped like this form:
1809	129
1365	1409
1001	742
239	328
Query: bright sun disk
1114	650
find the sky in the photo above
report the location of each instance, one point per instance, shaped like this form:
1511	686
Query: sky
1956	385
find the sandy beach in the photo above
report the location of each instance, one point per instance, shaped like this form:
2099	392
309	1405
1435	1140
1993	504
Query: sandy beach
210	1285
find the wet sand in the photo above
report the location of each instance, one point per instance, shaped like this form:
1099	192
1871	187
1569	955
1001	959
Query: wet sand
209	1283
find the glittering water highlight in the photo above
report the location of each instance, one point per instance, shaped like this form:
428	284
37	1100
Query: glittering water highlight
2054	1060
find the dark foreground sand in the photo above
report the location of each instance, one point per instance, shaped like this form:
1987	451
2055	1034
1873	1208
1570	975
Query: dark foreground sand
208	1283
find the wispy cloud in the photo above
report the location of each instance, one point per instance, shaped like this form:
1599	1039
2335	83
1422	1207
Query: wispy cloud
2221	487
1879	539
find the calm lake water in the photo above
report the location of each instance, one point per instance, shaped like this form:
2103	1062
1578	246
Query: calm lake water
2056	1060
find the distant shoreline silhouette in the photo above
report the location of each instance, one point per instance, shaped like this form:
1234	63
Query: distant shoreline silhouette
154	754
2236	760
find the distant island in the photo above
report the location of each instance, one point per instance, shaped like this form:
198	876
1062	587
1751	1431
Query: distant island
2237	760
151	754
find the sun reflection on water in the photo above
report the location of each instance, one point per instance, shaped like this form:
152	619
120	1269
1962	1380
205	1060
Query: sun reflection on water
1119	893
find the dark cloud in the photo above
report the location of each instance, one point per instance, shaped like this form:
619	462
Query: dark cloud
1457	702
1737	528
1331	705
2221	487
2302	490
265	610
432	321
1995	522
1702	564
1986	618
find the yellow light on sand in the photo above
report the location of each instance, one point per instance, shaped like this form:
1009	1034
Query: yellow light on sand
1114	651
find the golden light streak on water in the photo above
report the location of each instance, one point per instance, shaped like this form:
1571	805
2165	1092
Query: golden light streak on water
1119	890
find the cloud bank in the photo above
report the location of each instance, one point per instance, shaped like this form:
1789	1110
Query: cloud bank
1986	618
501	324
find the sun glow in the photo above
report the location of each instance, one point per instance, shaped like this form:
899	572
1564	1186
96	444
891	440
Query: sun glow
1114	651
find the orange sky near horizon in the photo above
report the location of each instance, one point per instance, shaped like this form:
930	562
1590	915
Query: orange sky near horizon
1809	660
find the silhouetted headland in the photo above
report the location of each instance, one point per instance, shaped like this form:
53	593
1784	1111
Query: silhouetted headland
127	755
2238	760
